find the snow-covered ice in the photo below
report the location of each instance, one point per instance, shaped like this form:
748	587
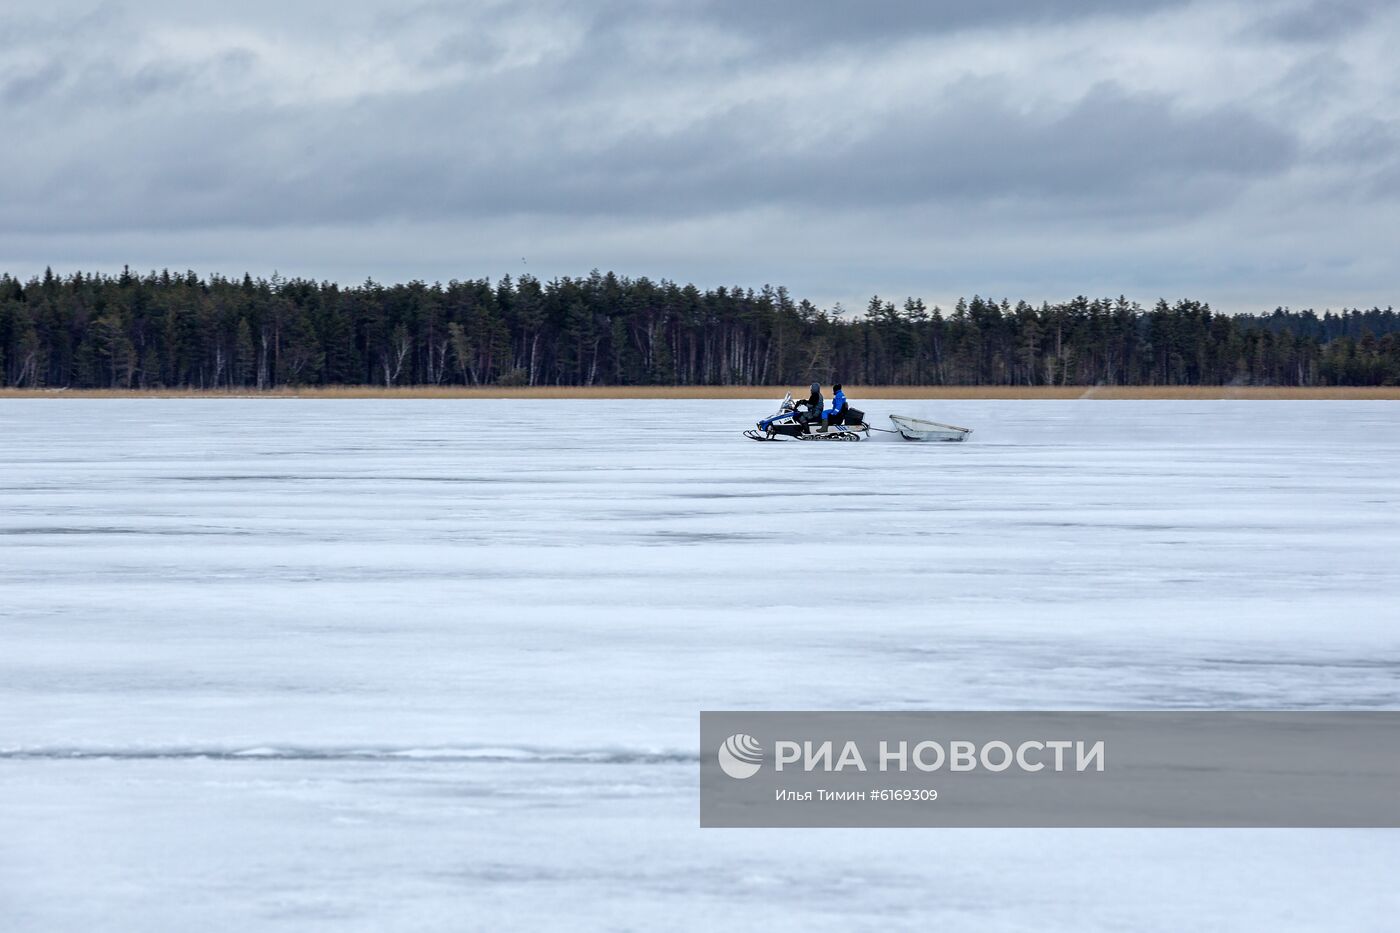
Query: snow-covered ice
377	665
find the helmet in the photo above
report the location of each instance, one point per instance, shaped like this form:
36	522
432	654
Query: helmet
816	387
836	387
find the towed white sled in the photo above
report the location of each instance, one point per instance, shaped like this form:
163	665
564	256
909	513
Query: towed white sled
917	429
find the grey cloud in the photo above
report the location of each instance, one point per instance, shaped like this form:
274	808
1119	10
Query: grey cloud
470	45
1386	183
107	82
1319	20
50	22
136	86
34	85
844	21
1109	149
1360	140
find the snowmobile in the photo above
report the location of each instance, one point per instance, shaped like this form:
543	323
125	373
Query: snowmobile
791	422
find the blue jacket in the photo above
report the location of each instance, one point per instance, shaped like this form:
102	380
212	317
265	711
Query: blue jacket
838	402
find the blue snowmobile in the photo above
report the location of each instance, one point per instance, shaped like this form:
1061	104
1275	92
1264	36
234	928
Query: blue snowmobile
794	422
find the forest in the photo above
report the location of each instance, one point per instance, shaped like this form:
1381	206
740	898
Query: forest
167	330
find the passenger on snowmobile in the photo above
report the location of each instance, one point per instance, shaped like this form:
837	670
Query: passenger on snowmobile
837	412
814	405
794	420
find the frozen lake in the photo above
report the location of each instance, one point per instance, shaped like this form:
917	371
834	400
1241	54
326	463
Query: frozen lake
379	665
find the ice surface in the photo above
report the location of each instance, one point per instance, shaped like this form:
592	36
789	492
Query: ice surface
370	665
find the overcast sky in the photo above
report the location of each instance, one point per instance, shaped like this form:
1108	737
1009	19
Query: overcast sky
1246	153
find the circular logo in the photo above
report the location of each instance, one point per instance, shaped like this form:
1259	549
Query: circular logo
741	756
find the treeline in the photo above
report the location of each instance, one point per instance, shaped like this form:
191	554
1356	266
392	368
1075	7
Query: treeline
179	330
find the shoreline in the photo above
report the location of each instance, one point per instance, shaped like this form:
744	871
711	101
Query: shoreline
1109	393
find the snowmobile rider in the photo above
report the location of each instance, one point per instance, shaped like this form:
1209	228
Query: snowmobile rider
813	403
836	413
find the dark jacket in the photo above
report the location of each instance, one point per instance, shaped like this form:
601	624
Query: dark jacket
814	404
